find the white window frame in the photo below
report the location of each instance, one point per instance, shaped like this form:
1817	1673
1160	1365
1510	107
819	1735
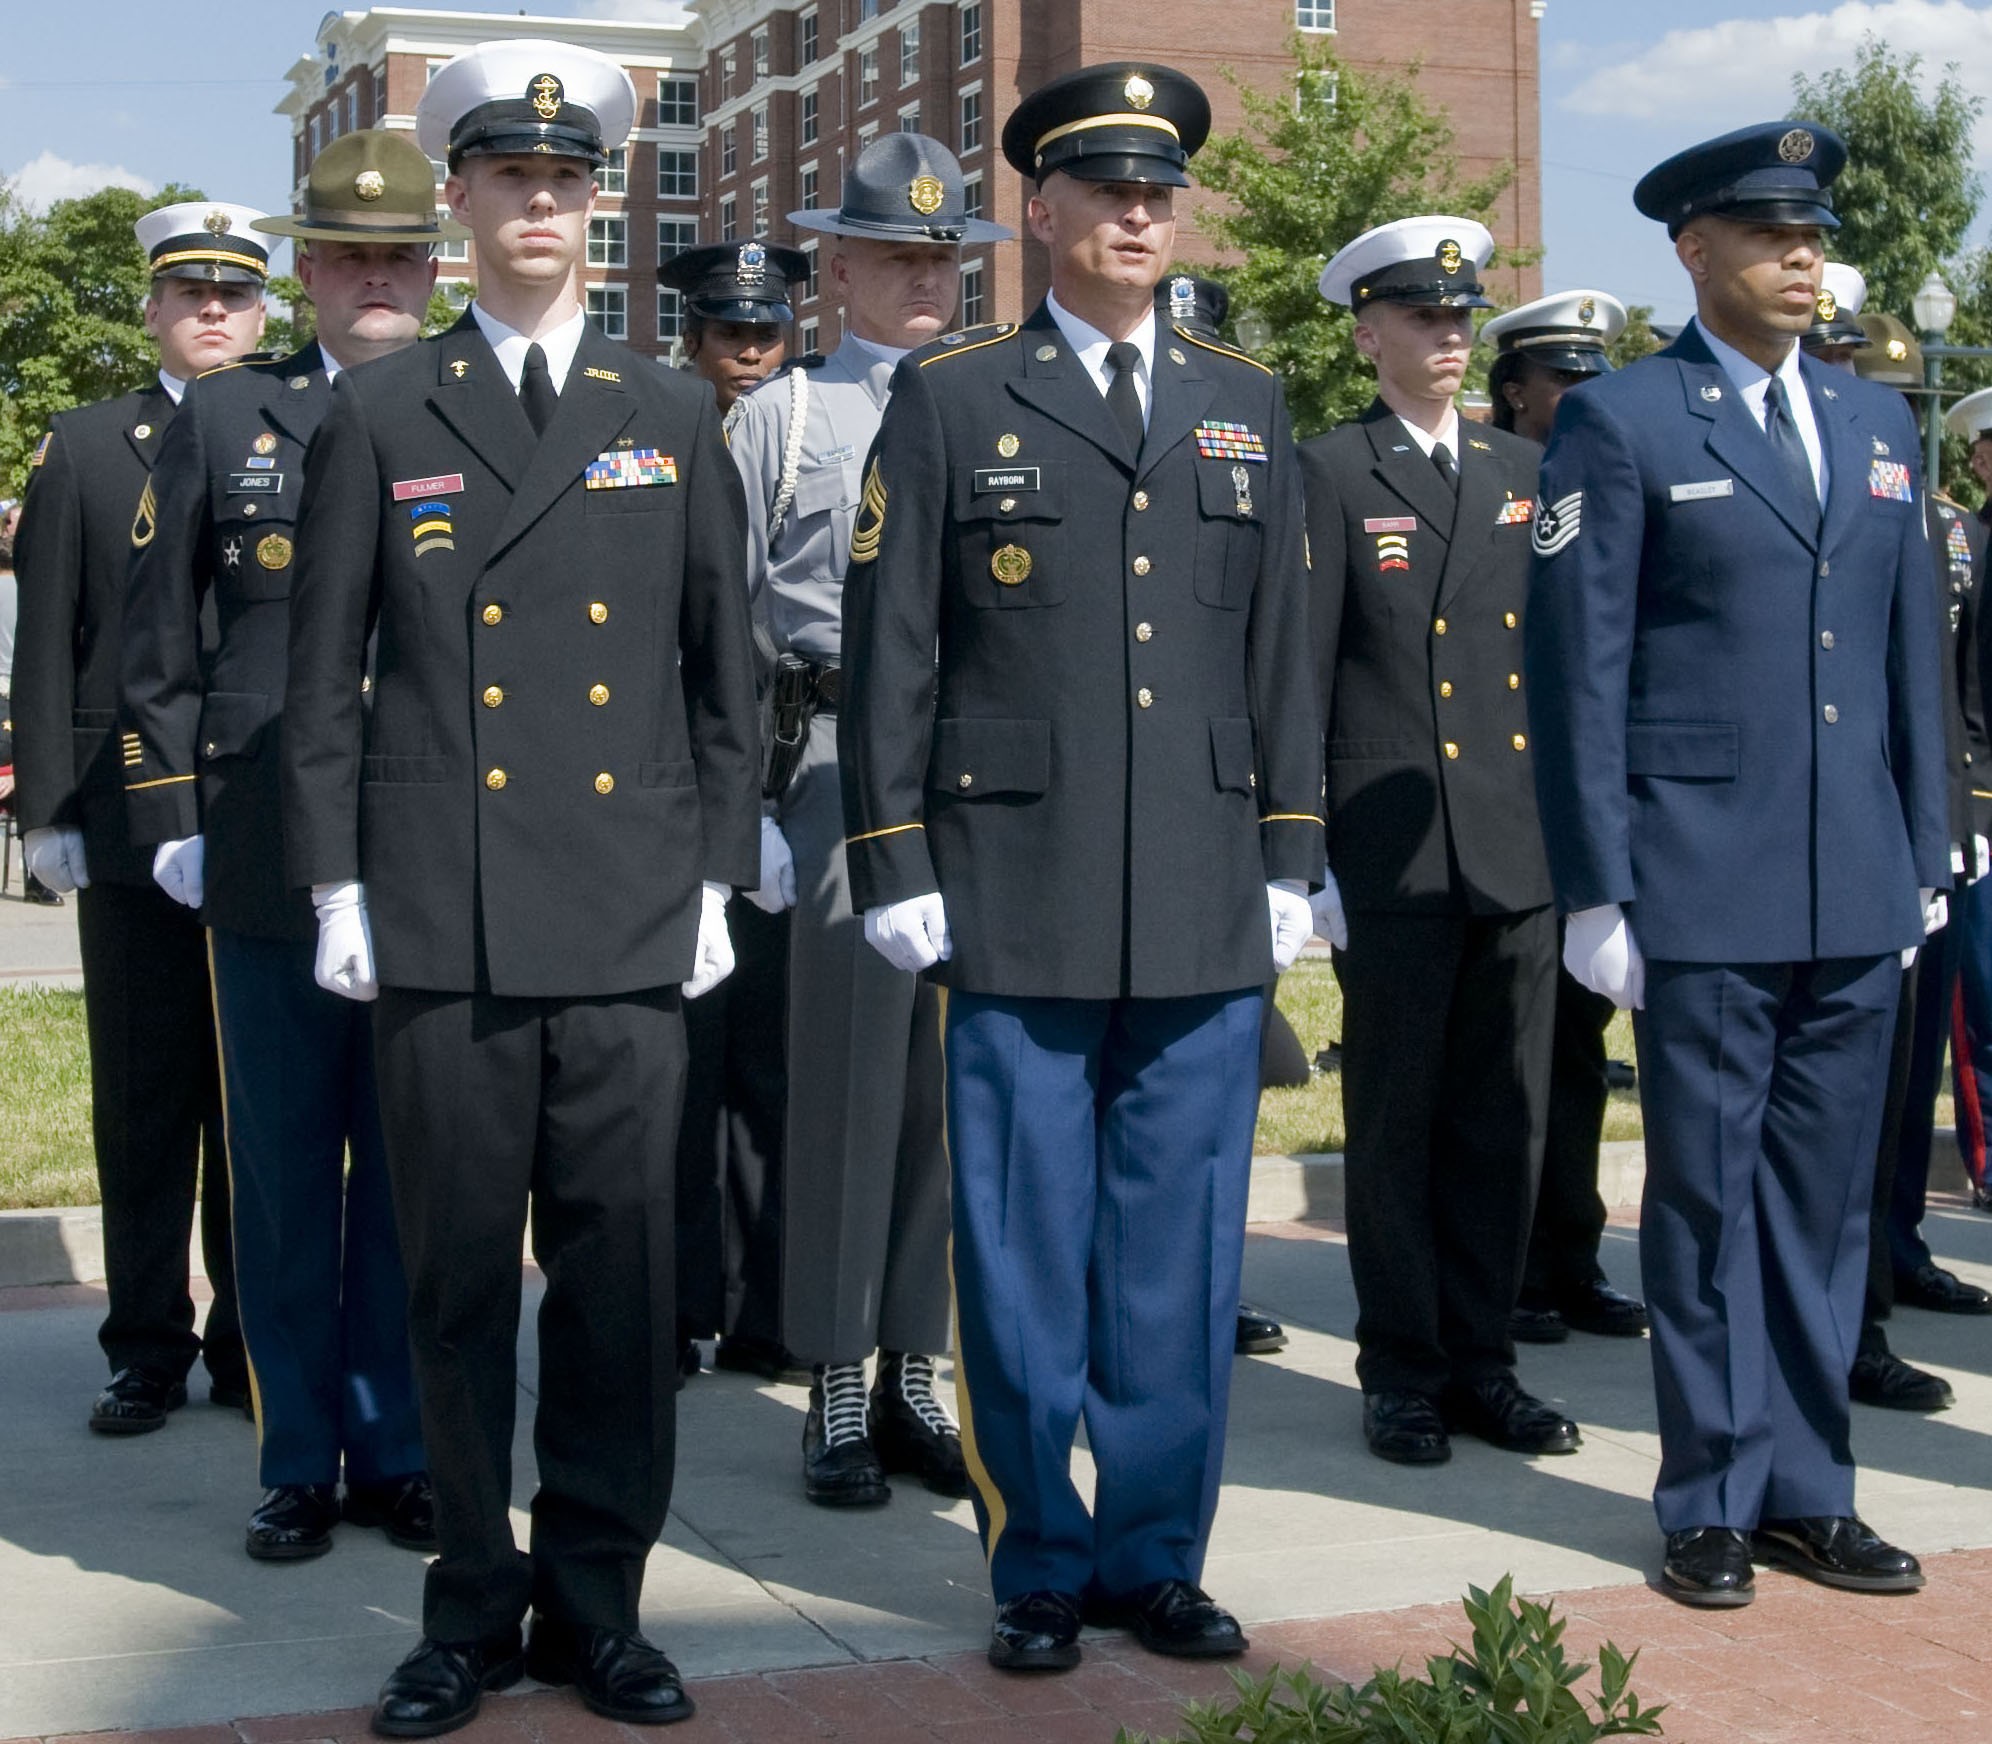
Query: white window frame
867	76
809	188
729	218
758	52
806	336
613	177
810	283
808	36
454	251
670	313
759	127
970	33
909	52
612	315
1314	17
665	118
675	229
729	148
973	299
757	208
909	118
963	120
971	194
608	239
678	156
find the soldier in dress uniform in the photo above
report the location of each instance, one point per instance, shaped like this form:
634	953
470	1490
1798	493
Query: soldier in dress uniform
1437	898
318	1268
1544	348
865	1225
1096	826
737	314
1742	791
155	1102
540	534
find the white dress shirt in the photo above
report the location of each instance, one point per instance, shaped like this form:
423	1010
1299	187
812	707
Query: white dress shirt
173	385
1753	382
1089	345
511	345
1427	440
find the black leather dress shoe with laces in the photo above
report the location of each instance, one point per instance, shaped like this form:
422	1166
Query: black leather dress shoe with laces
1180	1619
1709	1566
617	1673
911	1430
404	1508
1036	1632
293	1523
840	1467
744	1354
1405	1428
438	1687
1880	1377
1837	1551
1603	1312
1495	1408
1258	1333
136	1403
1942	1292
1537	1323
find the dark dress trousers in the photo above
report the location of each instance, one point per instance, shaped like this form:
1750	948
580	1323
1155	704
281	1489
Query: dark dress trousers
1737	740
155	1103
1118	750
318	1267
562	702
1419	594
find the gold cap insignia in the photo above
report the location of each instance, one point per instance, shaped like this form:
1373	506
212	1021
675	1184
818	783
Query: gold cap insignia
1011	565
546	93
264	444
370	185
1007	445
1796	146
1828	304
458	367
925	195
1139	94
1898	352
217	222
1587	311
273	551
1450	255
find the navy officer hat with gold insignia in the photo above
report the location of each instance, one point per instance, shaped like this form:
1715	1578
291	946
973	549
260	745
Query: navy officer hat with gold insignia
1837	309
1778	172
904	187
1971	417
369	186
1197	304
526	95
1123	121
1428	263
1567	330
736	281
204	239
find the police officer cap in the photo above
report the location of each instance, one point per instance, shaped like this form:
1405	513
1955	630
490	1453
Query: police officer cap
1198	304
370	186
1776	173
1568	330
1426	262
1971	417
1125	121
1891	356
501	99
1837	308
904	186
736	281
204	239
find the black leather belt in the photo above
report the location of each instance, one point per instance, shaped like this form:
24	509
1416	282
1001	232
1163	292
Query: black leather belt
828	679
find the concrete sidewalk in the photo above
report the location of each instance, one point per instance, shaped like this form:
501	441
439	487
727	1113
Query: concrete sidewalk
37	945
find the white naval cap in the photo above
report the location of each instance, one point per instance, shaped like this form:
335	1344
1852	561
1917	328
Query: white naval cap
205	239
1562	321
1435	262
525	95
1836	312
1845	285
1971	417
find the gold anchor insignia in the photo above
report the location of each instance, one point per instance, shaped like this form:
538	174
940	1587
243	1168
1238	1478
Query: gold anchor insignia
217	223
1011	565
1138	92
1829	305
370	185
925	195
546	94
1796	146
1450	256
1007	446
458	368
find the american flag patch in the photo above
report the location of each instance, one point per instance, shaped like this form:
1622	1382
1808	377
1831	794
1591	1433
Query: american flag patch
1889	479
627	468
1517	512
1217	441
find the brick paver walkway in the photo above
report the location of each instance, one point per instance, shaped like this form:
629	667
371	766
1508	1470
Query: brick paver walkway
1800	1666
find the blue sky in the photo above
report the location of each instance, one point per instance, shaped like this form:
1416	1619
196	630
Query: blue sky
155	94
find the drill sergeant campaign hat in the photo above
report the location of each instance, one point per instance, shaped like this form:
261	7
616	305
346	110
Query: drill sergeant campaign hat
1778	172
1837	309
204	239
1568	330
1122	121
371	186
1428	263
1891	355
904	187
736	281
525	95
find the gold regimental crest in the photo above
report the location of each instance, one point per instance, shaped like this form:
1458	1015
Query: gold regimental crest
1450	256
1007	446
546	93
146	522
370	185
1138	92
1587	311
925	195
264	444
1796	146
1046	353
1011	565
273	551
217	222
1828	305
871	518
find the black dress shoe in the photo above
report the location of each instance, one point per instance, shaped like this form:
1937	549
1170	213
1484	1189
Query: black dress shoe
1495	1408
1405	1428
1708	1566
403	1508
1600	1310
1883	1378
1930	1286
910	1429
437	1687
293	1523
35	892
743	1354
1179	1618
136	1403
1036	1632
688	1362
1530	1324
1837	1551
1259	1334
840	1467
233	1398
617	1673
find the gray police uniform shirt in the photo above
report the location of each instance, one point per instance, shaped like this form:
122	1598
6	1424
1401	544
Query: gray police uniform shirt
796	578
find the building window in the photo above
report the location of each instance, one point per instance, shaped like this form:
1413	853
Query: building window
909	118
909	52
806	38
608	241
728	64
315	131
729	149
974	304
867	9
971	121
971	33
760	133
670	314
760	46
808	337
380	96
677	102
431	68
971	196
674	236
809	279
613	176
1324	88
1314	14
808	121
759	210
454	249
352	107
866	134
442	170
867	75
729	218
807	183
608	308
677	174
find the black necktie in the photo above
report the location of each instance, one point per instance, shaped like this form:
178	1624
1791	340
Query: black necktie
536	390
1782	430
1122	400
1442	459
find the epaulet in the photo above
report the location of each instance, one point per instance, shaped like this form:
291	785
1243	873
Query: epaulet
235	363
952	345
1218	346
1948	501
808	360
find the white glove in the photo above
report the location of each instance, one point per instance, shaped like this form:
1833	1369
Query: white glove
1981	857
713	960
54	854
180	868
1293	920
911	935
1329	920
776	891
345	961
1600	951
1936	910
1957	860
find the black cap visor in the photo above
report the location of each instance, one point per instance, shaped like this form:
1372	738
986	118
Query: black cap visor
1098	161
1800	211
500	130
758	311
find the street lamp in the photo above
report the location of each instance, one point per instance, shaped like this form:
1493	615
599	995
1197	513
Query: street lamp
1253	329
1935	307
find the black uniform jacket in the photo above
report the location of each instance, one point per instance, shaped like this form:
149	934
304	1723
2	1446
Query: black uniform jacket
70	561
1417	613
1957	544
1123	746
201	738
562	742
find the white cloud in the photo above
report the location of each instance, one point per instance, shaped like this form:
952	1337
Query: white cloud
48	178
1742	68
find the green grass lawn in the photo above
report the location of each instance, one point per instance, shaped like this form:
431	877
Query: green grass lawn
45	1152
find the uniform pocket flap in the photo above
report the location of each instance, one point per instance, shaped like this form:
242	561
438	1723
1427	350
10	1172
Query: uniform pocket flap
985	756
232	721
683	773
391	769
819	489
1010	492
1683	750
1220	495
1231	758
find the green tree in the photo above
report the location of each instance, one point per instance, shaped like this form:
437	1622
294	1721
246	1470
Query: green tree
1638	340
1310	170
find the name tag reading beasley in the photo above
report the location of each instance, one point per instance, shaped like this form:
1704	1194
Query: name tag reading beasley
1695	493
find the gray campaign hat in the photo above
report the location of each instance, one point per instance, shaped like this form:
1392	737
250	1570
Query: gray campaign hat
904	187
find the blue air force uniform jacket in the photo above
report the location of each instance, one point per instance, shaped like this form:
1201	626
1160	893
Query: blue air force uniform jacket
1733	699
1121	745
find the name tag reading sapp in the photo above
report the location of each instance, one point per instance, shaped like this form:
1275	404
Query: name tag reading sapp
1695	493
1391	524
999	478
407	490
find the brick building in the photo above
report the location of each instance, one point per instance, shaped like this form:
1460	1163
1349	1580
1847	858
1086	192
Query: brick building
750	109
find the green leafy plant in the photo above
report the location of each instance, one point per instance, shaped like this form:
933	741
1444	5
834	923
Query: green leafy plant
1515	1685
